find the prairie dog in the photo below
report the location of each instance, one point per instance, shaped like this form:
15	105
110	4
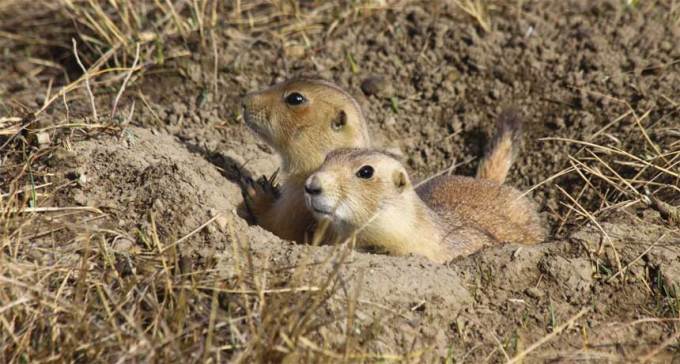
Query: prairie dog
302	119
367	194
499	211
501	152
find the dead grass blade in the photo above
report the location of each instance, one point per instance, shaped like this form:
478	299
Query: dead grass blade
477	10
558	330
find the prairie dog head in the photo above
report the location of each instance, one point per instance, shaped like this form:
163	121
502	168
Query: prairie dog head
304	119
354	186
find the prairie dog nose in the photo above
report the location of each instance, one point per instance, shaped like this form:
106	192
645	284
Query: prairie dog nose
313	185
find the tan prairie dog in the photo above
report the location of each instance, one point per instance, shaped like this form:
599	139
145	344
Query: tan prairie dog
302	119
500	211
367	194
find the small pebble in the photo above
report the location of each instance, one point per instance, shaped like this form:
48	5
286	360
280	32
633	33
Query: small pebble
374	85
43	139
79	197
123	245
295	51
179	108
666	46
494	94
534	292
185	264
147	36
24	67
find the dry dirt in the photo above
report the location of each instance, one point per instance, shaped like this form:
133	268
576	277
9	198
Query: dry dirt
598	72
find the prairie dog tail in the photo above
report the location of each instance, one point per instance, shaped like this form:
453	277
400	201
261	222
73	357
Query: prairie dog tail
503	147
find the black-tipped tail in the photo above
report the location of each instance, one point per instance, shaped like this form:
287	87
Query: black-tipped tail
500	153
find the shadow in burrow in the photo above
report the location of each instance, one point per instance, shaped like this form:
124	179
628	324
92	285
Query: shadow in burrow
234	171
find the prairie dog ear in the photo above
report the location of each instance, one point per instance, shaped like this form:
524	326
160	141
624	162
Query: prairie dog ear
395	152
339	121
400	180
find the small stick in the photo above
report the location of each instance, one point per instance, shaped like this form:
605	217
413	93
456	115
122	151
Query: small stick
187	236
20	301
23	191
667	210
672	339
636	259
141	96
448	171
215	64
125	81
87	81
519	357
613	150
129	117
55	209
553	177
49	90
597	224
255	291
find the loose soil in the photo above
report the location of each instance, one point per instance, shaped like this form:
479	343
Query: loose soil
598	72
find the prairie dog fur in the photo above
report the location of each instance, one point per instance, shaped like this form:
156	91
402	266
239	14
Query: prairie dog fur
367	194
500	153
302	119
500	211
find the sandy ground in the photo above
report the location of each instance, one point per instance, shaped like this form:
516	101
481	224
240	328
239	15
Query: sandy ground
592	72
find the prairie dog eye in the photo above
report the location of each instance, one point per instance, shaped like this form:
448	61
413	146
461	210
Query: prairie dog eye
295	99
365	172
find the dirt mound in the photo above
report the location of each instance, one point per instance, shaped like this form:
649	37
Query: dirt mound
120	239
152	173
517	288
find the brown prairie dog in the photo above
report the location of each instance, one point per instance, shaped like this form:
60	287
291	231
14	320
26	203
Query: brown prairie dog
302	120
501	212
367	194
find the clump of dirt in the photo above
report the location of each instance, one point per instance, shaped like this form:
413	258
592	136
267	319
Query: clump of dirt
595	82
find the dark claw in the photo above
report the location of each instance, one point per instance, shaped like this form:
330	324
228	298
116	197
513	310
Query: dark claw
247	201
272	179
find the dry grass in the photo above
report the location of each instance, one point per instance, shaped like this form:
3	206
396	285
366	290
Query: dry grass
477	9
84	299
634	171
69	292
621	176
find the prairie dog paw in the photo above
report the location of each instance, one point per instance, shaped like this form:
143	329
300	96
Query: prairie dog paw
258	196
